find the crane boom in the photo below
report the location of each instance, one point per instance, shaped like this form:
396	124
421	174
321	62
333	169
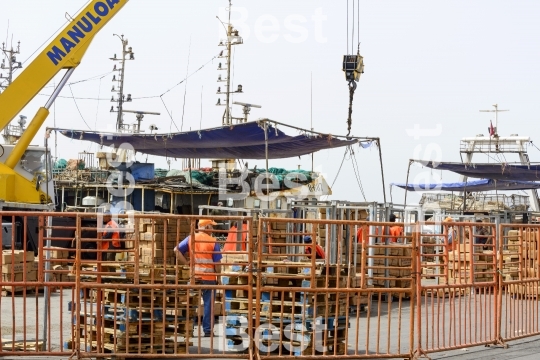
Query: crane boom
21	180
64	52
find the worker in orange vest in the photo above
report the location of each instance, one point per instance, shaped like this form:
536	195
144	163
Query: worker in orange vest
360	233
232	238
207	257
111	233
396	231
319	251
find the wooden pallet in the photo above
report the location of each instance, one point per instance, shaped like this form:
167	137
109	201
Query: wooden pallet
523	291
287	307
20	290
331	349
28	346
445	292
122	329
156	348
121	339
299	349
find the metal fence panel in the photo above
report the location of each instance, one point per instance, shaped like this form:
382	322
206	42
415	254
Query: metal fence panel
369	298
356	306
145	303
457	289
36	292
520	284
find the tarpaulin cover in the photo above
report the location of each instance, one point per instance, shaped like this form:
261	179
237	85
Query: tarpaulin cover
240	141
497	171
475	185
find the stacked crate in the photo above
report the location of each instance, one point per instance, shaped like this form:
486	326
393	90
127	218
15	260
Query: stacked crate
283	306
465	267
305	339
359	299
524	253
460	265
234	303
484	268
428	269
14	264
321	228
293	313
59	265
529	254
399	259
428	250
278	237
136	319
156	236
510	256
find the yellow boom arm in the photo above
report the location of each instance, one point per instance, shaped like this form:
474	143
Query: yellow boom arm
64	52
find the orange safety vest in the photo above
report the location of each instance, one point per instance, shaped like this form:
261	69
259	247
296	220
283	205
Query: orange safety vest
115	236
232	239
360	233
203	256
395	232
320	254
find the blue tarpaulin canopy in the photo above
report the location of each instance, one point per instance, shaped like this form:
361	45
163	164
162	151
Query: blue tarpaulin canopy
475	185
239	141
497	171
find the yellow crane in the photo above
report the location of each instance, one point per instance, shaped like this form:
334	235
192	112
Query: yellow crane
23	183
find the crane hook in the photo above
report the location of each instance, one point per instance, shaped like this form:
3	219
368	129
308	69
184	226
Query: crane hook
352	88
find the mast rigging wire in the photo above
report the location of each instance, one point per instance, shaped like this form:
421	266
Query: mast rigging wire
77	106
134	98
185	90
169	113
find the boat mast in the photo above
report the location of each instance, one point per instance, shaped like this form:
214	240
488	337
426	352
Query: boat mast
496	111
11	133
495	144
127	54
233	38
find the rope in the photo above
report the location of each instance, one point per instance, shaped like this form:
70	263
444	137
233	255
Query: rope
339	170
347	26
352	28
358	25
357	174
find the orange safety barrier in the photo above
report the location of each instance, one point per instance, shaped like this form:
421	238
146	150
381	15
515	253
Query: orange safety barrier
36	292
519	315
151	302
356	303
274	298
457	288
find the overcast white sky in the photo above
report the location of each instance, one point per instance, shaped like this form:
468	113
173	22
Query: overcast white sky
426	62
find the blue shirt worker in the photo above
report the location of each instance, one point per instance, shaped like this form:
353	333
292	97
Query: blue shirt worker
207	257
481	233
